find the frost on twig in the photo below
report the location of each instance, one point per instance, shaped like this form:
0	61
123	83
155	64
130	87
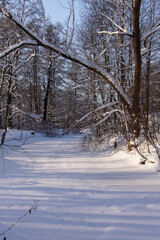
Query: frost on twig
33	207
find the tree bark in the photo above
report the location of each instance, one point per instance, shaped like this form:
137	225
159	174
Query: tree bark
47	90
137	70
8	111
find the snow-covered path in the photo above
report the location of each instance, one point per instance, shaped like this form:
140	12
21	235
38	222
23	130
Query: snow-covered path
82	196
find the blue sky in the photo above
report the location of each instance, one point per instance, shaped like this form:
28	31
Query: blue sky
56	11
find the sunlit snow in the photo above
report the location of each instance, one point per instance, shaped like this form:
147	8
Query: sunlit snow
80	195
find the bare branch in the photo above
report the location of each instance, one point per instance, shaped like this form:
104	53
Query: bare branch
34	207
155	28
69	37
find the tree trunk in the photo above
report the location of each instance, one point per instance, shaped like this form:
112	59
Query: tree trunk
8	111
147	94
46	97
135	115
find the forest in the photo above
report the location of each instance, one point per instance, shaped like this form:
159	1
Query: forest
99	76
80	121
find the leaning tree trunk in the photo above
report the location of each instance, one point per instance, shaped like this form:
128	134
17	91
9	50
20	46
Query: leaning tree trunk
135	115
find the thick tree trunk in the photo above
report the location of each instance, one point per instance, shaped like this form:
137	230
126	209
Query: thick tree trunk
137	70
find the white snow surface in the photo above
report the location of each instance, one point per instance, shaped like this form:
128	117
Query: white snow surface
81	195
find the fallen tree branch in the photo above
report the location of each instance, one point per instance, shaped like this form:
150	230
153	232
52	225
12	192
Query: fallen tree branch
34	207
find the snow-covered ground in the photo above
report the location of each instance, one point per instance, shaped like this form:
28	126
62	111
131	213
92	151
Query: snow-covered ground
80	195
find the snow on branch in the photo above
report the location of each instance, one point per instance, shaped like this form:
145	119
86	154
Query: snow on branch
73	57
122	30
107	115
16	46
116	33
31	115
97	109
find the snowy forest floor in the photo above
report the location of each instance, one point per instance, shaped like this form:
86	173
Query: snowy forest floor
80	195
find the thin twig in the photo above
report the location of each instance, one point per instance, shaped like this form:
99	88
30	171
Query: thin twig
34	207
